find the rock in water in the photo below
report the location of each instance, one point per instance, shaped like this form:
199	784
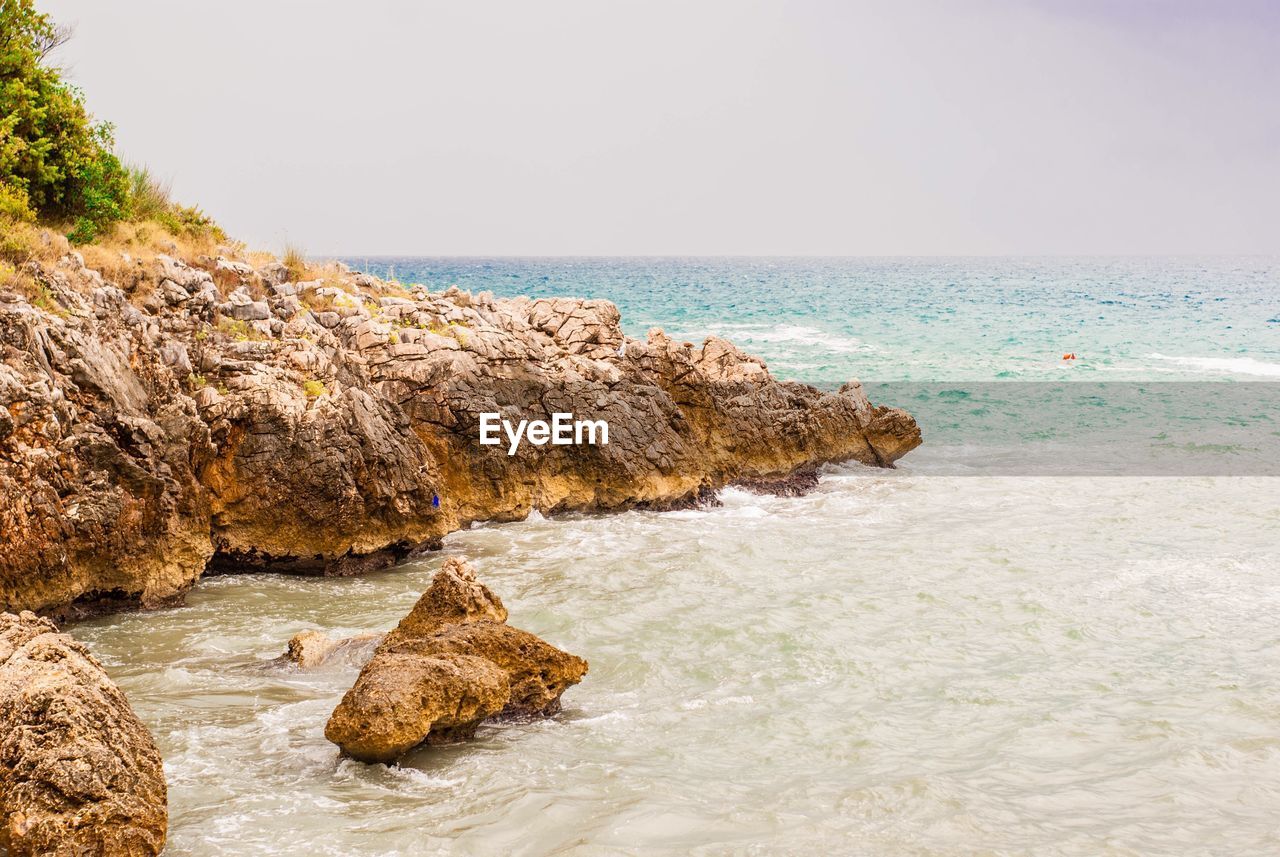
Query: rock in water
311	649
449	664
79	774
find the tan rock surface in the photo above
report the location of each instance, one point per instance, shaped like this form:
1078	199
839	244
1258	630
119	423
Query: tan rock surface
79	774
449	664
155	424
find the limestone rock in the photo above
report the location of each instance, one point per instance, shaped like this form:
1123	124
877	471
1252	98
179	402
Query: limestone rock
401	701
312	649
79	774
537	671
454	597
332	426
100	504
450	664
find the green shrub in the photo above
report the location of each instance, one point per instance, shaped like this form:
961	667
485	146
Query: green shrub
51	149
314	389
14	204
240	331
191	222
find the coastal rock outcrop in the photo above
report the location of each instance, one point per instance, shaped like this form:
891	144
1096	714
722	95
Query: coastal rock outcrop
79	774
451	663
99	448
161	417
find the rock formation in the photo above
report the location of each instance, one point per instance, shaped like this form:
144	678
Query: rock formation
79	774
450	664
170	417
311	649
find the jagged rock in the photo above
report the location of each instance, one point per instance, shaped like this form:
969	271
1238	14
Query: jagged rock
79	774
537	671
454	597
449	664
337	430
100	506
173	293
796	485
239	269
252	311
401	701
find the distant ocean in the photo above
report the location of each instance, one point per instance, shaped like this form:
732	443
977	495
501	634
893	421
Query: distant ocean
1051	631
925	319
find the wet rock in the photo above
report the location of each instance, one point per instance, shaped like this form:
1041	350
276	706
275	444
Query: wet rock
401	701
796	485
454	597
312	649
79	774
450	664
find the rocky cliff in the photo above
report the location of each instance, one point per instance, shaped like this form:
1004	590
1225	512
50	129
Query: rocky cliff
167	417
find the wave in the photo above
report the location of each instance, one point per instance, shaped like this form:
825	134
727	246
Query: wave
810	339
1236	365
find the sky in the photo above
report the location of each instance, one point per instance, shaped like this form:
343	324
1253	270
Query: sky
734	127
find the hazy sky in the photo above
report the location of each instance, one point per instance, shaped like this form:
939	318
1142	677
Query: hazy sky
701	126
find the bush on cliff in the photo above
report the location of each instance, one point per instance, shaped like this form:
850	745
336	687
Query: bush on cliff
57	164
53	155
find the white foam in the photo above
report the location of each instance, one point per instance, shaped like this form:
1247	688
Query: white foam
812	336
783	334
1234	365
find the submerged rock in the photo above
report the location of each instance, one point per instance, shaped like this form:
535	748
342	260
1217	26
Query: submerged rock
312	649
796	485
450	664
79	774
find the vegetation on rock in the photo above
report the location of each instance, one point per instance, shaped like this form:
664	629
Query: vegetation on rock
58	166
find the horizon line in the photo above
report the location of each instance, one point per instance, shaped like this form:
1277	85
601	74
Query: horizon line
378	256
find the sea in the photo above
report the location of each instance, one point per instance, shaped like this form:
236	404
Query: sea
1054	629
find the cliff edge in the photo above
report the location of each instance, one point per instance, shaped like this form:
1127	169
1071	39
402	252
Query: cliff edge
159	417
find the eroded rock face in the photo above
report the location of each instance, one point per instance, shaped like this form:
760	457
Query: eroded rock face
450	664
147	426
99	447
79	774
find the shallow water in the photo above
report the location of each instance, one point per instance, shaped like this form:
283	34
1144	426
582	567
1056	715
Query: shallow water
877	668
901	663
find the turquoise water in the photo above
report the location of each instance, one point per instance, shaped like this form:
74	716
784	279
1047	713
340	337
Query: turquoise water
926	320
982	652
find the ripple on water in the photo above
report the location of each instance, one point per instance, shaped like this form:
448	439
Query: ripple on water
895	664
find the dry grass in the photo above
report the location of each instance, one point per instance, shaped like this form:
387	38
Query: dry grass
148	195
147	238
259	258
22	242
296	262
126	253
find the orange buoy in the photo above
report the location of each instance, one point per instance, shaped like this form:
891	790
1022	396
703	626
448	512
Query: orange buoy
1070	356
